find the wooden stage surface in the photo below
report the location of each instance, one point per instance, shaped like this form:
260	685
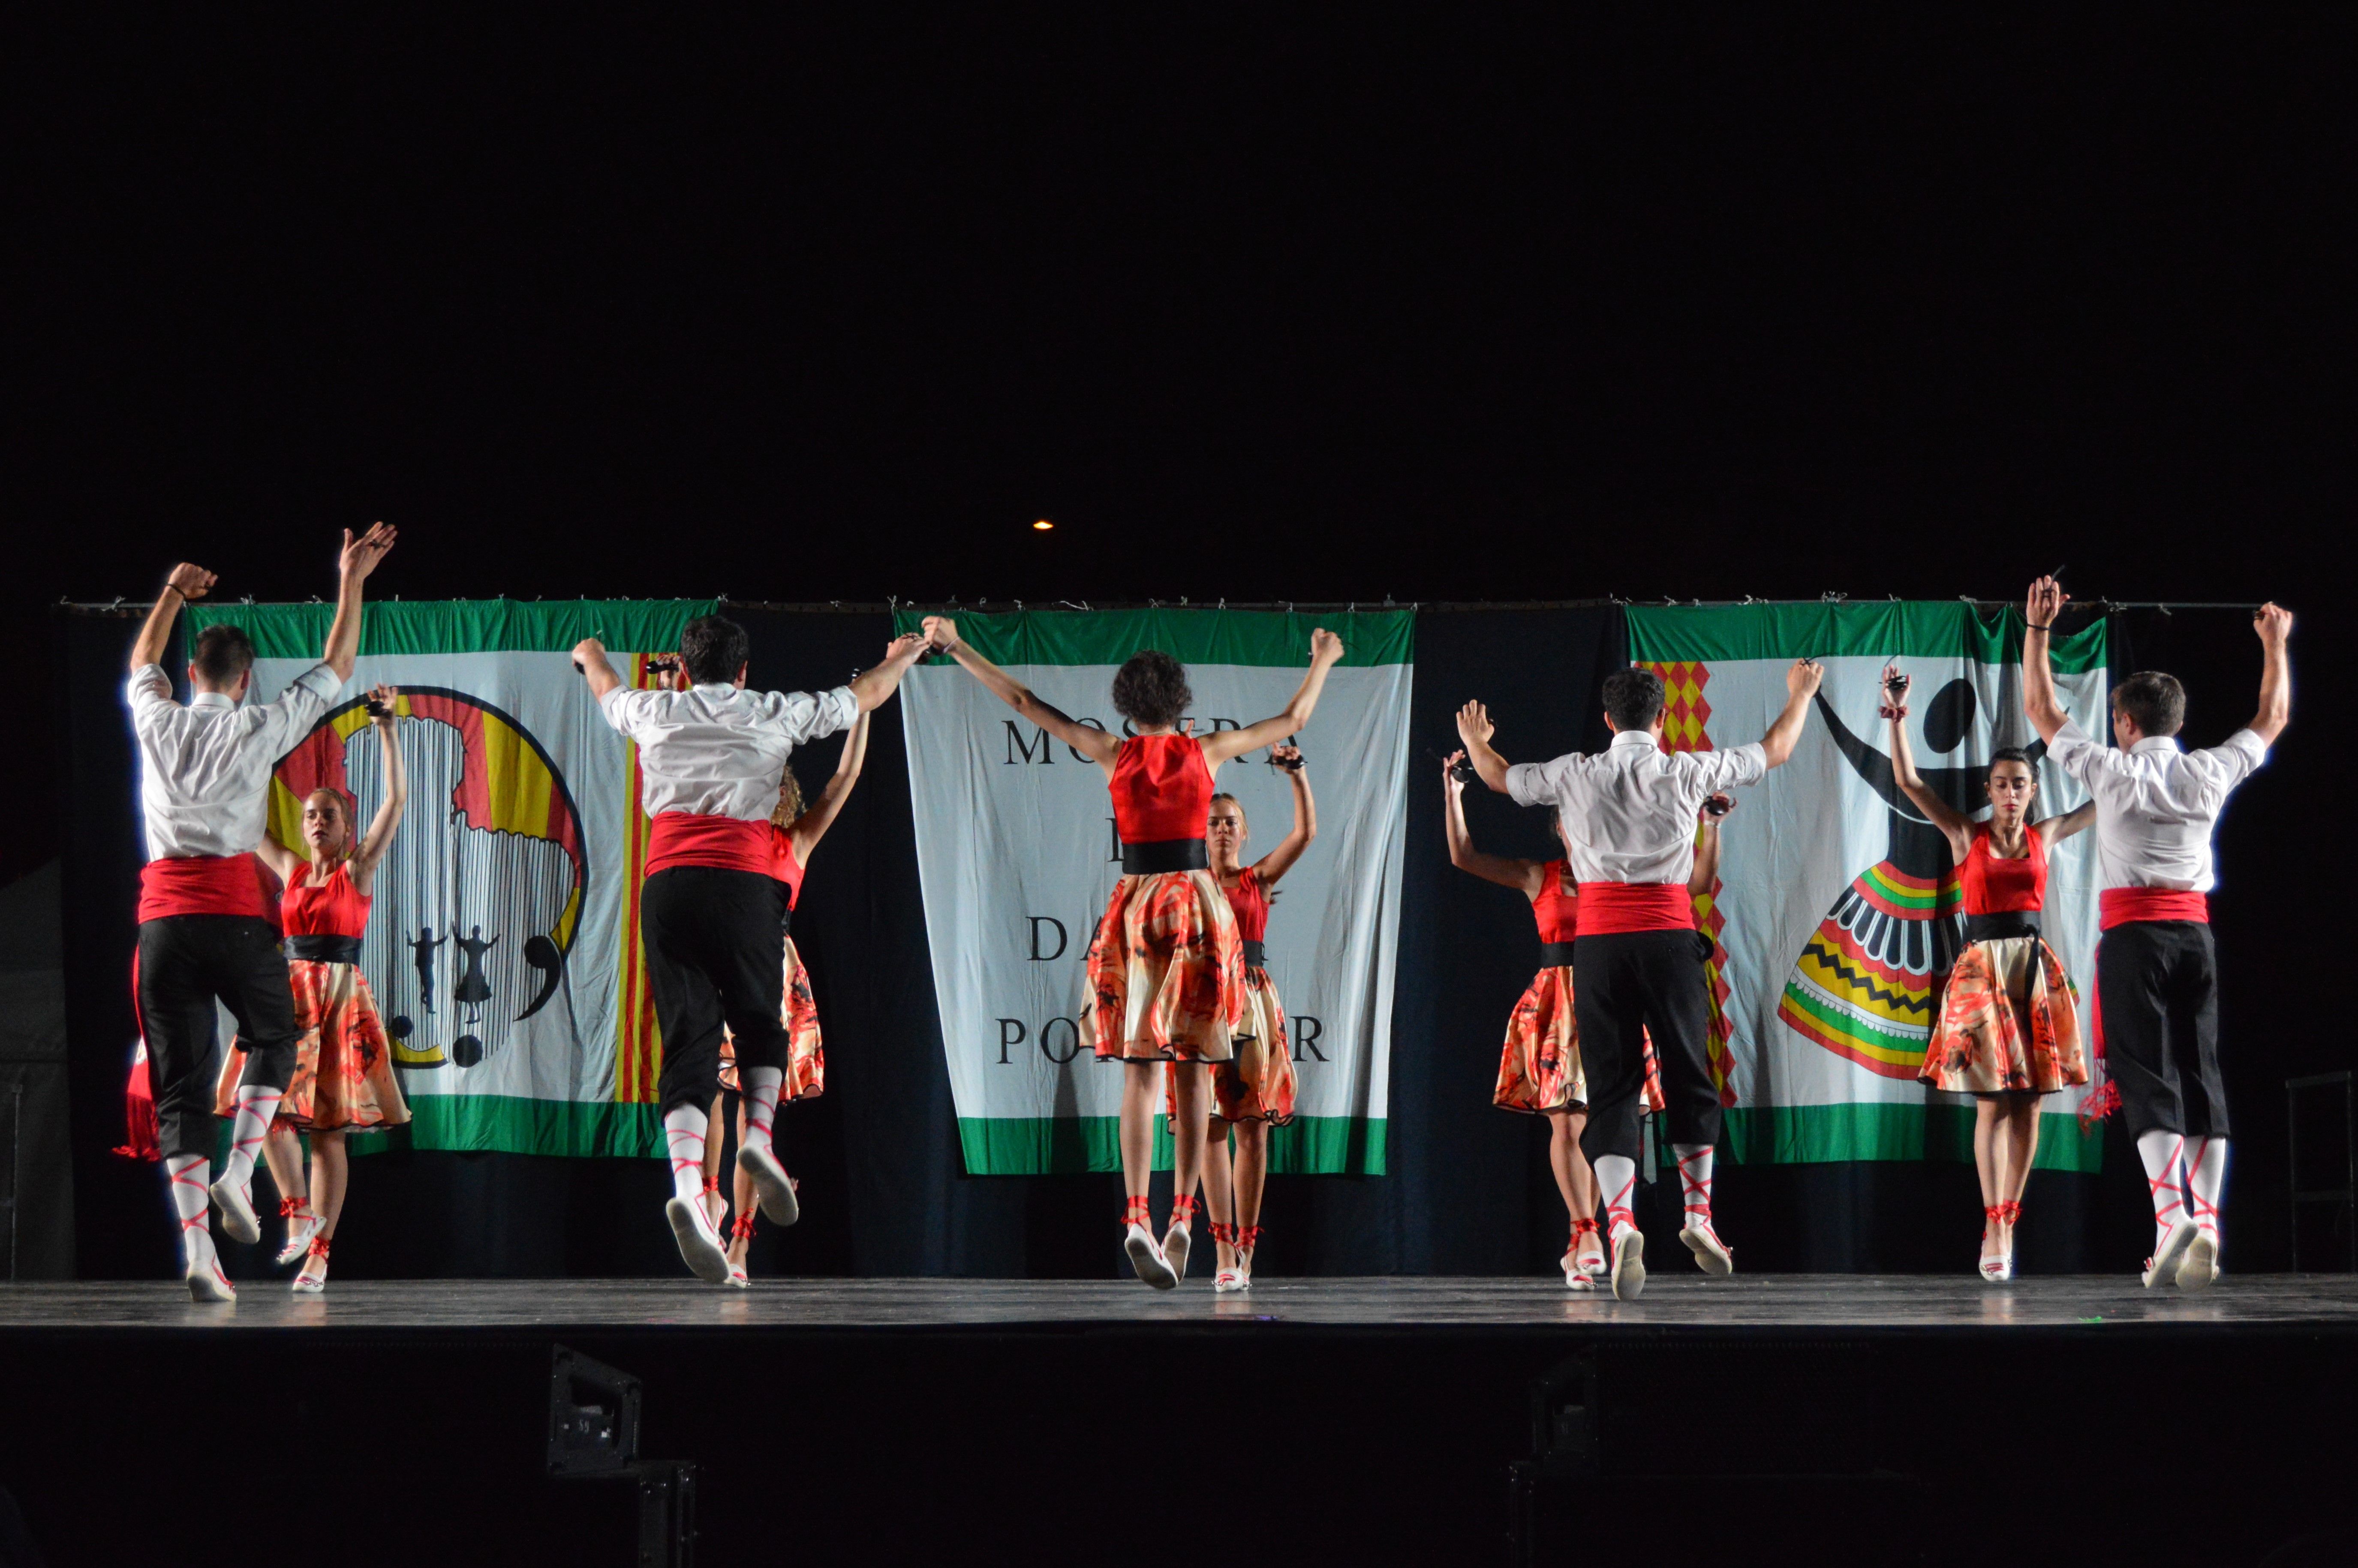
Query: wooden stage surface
1675	1301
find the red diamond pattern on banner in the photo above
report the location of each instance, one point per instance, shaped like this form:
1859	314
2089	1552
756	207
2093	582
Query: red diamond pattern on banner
1685	715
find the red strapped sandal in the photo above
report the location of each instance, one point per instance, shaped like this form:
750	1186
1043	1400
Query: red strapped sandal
298	1237
1146	1258
308	1284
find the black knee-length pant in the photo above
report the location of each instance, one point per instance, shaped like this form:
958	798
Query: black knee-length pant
185	962
2157	983
716	951
1622	986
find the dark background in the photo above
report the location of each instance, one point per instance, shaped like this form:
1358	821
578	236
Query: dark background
1442	311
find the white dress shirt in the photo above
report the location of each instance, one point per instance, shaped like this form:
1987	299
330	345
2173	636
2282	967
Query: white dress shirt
2155	804
1628	811
204	770
719	751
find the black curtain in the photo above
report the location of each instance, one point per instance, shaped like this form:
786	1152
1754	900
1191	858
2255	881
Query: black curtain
1467	1189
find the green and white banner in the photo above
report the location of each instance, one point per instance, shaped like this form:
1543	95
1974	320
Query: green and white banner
1837	911
502	943
1016	849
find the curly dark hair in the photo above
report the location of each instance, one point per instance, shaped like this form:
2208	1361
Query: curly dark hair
1150	688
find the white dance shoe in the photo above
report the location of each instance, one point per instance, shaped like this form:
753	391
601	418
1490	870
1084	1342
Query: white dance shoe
1711	1255
771	1184
2162	1267
236	1207
208	1284
1227	1280
299	1242
1175	1243
1629	1263
1147	1258
699	1244
2199	1269
1576	1277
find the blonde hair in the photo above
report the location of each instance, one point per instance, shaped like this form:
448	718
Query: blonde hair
790	801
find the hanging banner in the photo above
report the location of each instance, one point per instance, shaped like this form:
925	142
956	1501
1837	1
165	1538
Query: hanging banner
504	936
1017	853
1837	913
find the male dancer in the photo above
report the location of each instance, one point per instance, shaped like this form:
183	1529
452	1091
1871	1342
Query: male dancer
2156	972
207	925
1628	816
711	755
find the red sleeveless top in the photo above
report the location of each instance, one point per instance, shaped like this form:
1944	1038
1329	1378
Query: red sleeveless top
1557	909
331	908
1250	900
1993	886
783	864
1162	789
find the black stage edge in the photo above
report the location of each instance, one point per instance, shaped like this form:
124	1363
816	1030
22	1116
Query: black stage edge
1805	1418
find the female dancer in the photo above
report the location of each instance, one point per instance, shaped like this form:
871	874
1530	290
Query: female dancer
1538	1067
1254	1091
2009	1025
795	832
343	1068
1167	966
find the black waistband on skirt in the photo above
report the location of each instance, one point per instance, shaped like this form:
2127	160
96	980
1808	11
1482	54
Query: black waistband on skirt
316	950
1256	954
1555	955
1160	855
786	920
1999	927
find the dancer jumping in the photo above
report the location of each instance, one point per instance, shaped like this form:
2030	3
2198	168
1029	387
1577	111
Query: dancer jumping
1539	1066
205	927
1627	817
1167	966
343	1063
2156	971
795	832
711	915
1253	1090
2009	1025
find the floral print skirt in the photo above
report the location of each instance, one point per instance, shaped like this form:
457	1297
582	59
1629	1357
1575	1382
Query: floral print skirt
1166	972
2009	1023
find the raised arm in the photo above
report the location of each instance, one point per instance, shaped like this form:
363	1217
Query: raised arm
1706	859
1325	649
2039	705
2274	627
1955	826
1802	684
186	585
1086	738
1279	860
1523	876
1474	728
811	827
869	688
590	658
360	557
396	790
2055	829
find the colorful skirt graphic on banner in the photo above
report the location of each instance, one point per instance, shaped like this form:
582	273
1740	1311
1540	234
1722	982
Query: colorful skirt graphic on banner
1868	985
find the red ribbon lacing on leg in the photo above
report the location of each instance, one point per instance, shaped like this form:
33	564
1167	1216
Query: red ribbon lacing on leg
1249	1237
673	1135
742	1227
1183	1209
711	1184
2205	1215
1137	1212
2009	1212
2154	1187
1224	1232
1993	1211
1616	1206
295	1208
319	1246
1695	1185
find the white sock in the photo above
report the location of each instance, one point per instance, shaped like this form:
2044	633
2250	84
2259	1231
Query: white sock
2161	1153
1616	1179
1695	1180
192	1204
256	1106
760	1088
2206	1175
683	1137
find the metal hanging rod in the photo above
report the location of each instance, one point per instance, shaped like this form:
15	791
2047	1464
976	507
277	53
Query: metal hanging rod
1327	607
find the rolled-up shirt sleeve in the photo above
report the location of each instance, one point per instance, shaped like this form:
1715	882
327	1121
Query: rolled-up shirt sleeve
1534	783
149	685
625	707
1734	768
287	717
2236	759
800	716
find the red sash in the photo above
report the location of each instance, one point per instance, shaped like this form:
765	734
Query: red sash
1609	908
2120	906
204	884
680	838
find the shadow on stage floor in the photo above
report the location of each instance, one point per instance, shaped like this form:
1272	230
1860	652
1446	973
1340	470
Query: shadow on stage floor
1825	1419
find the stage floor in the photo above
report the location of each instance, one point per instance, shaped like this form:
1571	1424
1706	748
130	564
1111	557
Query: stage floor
1678	1301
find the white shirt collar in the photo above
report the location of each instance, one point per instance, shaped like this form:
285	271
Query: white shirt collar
2155	743
212	699
717	687
1644	738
